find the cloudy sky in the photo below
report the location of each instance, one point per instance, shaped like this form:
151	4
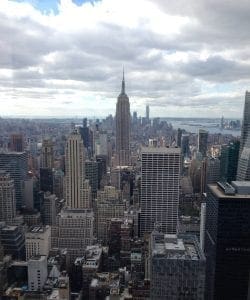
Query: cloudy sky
65	58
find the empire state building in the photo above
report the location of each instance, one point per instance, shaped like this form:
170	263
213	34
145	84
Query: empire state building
123	127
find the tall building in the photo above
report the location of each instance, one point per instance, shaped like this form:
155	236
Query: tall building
74	171
227	241
210	172
243	171
123	127
74	231
16	143
179	134
147	112
7	198
185	145
160	182
91	172
49	210
37	272
47	164
16	164
46	180
108	205
202	142
37	241
58	179
13	241
229	161
177	267
47	157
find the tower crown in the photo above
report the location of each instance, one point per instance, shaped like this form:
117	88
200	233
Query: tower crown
123	93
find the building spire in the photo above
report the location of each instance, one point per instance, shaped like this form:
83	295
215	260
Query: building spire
123	82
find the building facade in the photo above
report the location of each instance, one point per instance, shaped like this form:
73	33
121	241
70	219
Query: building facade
7	198
74	231
37	241
37	272
74	171
177	267
243	170
123	128
227	242
160	184
202	142
16	164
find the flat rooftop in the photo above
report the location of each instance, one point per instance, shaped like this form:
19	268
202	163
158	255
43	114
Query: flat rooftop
218	192
173	247
161	150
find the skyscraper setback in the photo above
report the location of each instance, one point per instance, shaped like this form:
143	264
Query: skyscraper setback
123	127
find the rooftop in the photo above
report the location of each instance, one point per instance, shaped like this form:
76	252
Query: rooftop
218	192
172	246
159	150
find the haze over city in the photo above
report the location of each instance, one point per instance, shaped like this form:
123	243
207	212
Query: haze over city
65	58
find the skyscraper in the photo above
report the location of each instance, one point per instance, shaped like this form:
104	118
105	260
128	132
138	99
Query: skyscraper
147	112
75	171
160	181
227	241
177	267
7	197
202	142
229	160
47	159
123	127
243	171
16	143
16	164
185	145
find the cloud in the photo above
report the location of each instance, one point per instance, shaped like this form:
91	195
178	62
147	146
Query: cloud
178	58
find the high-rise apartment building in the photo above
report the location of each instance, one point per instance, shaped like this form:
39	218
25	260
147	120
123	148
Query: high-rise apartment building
243	171
123	127
7	198
16	164
177	267
227	241
160	183
202	142
74	171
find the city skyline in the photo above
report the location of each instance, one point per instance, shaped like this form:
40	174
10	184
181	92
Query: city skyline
65	58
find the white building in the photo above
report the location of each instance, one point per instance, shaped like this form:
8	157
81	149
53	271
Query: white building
160	184
38	241
37	272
